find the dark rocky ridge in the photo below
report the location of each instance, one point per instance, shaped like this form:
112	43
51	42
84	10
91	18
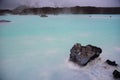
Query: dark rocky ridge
6	11
64	10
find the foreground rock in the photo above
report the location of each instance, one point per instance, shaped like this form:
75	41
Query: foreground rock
116	74
83	54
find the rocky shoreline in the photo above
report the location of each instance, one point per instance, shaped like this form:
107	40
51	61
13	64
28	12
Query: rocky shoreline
82	55
23	10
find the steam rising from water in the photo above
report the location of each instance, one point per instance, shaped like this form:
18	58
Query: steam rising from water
58	3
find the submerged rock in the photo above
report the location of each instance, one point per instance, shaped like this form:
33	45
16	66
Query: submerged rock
83	54
5	21
112	63
116	74
43	15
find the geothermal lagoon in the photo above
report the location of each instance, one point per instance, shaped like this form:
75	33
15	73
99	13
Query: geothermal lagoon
38	48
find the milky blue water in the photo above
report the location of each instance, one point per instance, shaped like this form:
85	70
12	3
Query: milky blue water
36	48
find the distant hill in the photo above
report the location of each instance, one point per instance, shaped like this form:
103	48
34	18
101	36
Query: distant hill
65	10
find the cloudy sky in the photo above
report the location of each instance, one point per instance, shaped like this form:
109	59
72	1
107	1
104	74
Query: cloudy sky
59	3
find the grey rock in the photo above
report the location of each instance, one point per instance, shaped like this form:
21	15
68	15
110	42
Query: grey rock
83	54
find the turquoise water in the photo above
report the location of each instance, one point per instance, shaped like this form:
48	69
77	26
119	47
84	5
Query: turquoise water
36	48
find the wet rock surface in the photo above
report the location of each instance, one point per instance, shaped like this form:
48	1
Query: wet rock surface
84	54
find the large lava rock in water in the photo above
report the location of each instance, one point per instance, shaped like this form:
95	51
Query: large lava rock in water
83	54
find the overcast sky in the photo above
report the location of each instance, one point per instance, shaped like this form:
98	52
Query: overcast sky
10	4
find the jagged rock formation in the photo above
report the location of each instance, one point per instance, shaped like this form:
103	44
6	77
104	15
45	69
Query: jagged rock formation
64	10
83	54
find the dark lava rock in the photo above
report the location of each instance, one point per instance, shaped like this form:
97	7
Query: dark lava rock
5	21
116	74
83	54
43	15
112	63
